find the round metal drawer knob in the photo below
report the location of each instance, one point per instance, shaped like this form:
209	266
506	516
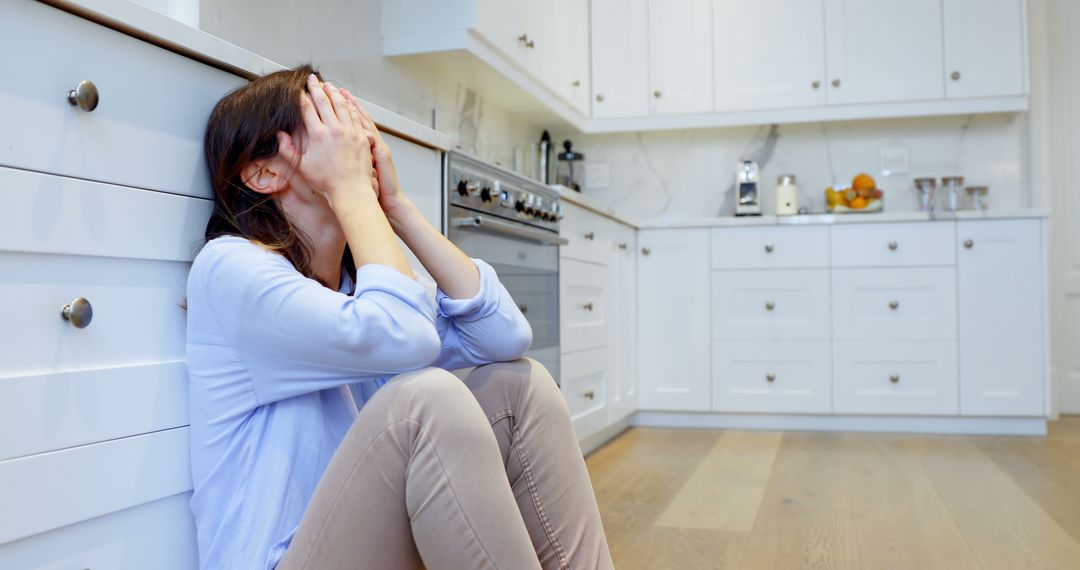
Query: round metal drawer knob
590	236
645	251
84	96
893	246
968	244
770	306
587	306
894	305
815	84
836	83
769	248
78	313
895	378
955	76
770	377
590	394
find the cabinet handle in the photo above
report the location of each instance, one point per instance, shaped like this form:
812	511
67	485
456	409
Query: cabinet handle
79	313
895	378
590	395
894	305
523	38
645	251
836	83
530	44
623	246
893	246
815	84
770	377
955	76
657	94
599	98
84	96
769	248
587	306
590	236
968	244
770	306
576	83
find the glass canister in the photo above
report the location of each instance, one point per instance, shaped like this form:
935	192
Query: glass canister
927	188
977	197
952	185
787	195
571	169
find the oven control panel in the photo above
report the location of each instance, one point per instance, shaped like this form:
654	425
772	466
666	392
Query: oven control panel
485	188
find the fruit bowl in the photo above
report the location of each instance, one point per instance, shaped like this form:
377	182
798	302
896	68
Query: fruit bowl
877	205
863	196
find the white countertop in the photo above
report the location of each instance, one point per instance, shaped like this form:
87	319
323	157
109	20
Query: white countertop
811	219
159	29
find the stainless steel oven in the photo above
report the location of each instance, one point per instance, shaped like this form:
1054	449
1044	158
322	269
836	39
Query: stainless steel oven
512	223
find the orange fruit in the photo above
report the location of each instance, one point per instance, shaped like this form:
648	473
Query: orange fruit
858	203
863	182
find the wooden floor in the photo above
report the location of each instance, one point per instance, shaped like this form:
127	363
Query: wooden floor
737	499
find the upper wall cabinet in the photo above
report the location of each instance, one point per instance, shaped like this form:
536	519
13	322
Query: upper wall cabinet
753	74
620	55
985	48
680	56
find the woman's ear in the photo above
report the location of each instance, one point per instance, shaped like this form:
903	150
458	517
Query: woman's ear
271	175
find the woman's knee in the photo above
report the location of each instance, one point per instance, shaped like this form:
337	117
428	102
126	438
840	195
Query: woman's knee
508	385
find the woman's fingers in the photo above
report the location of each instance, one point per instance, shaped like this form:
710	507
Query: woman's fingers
309	114
341	106
322	102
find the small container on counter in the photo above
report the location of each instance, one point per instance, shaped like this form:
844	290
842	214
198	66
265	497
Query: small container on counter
951	185
787	195
571	167
977	197
927	188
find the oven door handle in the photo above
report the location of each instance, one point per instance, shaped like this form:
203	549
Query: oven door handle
492	225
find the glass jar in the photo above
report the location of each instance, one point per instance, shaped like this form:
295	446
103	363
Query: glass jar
951	185
927	188
977	197
571	168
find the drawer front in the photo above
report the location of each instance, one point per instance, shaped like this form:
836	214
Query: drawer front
771	377
159	535
916	378
770	247
589	236
584	382
50	490
894	304
582	305
771	305
147	129
894	245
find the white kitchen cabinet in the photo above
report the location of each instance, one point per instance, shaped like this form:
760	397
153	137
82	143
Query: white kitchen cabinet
771	377
622	399
585	378
1002	329
674	337
771	305
680	57
985	48
919	244
883	50
620	56
785	70
910	303
912	378
583	304
791	247
571	72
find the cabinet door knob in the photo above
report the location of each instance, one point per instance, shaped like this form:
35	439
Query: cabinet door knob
587	306
770	377
770	306
645	251
590	236
955	76
523	38
836	82
576	83
769	248
530	44
599	98
84	96
894	305
657	94
968	244
591	394
815	84
623	246
893	246
895	378
79	313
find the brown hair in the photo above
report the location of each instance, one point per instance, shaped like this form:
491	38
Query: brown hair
242	128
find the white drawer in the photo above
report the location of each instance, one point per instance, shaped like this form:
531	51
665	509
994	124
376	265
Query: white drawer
912	378
159	535
771	305
584	379
589	235
147	130
50	490
894	304
770	247
771	377
583	303
894	245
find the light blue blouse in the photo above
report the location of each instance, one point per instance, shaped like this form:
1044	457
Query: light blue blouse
278	366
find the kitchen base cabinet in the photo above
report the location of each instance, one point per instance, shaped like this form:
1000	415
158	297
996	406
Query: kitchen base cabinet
771	377
622	400
913	378
585	377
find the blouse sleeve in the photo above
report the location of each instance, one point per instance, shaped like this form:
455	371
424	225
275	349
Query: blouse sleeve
296	336
484	329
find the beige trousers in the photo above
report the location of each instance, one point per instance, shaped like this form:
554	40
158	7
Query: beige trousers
443	474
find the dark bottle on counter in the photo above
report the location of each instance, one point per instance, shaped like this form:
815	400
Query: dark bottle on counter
543	159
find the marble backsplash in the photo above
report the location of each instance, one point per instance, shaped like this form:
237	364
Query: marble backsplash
689	173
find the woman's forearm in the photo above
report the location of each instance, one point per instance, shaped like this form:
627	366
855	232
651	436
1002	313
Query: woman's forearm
367	231
452	270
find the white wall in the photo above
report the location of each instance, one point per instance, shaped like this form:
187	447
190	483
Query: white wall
343	39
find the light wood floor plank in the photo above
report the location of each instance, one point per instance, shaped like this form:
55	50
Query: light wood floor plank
725	491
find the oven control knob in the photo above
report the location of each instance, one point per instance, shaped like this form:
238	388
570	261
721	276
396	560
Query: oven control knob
462	188
519	205
559	212
485	194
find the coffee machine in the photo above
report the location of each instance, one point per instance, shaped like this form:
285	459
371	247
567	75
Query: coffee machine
747	189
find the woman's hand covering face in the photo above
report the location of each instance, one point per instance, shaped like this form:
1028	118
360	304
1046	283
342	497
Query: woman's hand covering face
338	152
386	181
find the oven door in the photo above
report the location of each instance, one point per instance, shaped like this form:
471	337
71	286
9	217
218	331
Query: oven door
527	261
